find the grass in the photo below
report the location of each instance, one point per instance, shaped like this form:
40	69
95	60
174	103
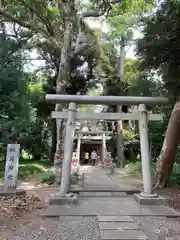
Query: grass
27	168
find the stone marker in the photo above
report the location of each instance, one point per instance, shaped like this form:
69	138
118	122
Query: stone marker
11	168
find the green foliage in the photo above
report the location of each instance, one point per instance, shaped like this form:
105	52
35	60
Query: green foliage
175	176
135	168
23	110
47	177
156	137
13	91
27	168
159	47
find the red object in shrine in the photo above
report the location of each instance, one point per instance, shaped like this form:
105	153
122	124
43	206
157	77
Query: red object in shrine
108	163
74	163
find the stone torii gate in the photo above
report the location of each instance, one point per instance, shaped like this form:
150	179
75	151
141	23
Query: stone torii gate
87	135
141	116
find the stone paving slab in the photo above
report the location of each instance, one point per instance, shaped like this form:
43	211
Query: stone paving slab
119	194
103	194
95	188
118	226
115	219
117	206
95	194
123	235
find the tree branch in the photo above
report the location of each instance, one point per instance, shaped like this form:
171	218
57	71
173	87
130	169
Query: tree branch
12	18
33	27
103	7
44	21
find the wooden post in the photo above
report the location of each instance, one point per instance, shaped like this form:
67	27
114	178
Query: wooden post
68	150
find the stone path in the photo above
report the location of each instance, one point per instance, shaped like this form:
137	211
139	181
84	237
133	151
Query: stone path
101	214
97	179
118	216
117	206
119	227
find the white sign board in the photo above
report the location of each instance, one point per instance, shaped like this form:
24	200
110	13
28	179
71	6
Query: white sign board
11	169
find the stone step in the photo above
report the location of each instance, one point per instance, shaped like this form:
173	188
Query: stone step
58	199
102	194
123	235
118	226
115	219
78	189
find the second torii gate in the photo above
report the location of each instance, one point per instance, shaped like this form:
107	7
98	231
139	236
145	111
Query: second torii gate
72	115
110	116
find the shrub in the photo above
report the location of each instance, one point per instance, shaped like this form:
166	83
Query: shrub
47	177
175	176
135	168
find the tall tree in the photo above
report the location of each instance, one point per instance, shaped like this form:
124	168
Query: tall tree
60	24
13	90
159	49
121	25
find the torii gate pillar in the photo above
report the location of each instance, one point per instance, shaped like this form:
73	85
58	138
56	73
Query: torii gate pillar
145	151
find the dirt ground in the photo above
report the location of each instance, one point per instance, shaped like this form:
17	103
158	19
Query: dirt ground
172	196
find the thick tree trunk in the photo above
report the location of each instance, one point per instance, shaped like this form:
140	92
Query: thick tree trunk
62	80
120	142
167	155
120	136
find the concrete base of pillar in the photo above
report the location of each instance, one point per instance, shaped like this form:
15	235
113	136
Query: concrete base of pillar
59	199
153	199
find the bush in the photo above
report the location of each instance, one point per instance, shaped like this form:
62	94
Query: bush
135	168
175	176
47	177
29	168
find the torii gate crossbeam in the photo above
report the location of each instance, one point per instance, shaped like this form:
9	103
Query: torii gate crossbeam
104	100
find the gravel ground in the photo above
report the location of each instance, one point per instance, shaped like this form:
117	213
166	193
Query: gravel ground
63	228
160	228
172	196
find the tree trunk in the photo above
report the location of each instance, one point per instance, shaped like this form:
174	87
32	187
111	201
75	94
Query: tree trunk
120	142
62	79
120	137
168	152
